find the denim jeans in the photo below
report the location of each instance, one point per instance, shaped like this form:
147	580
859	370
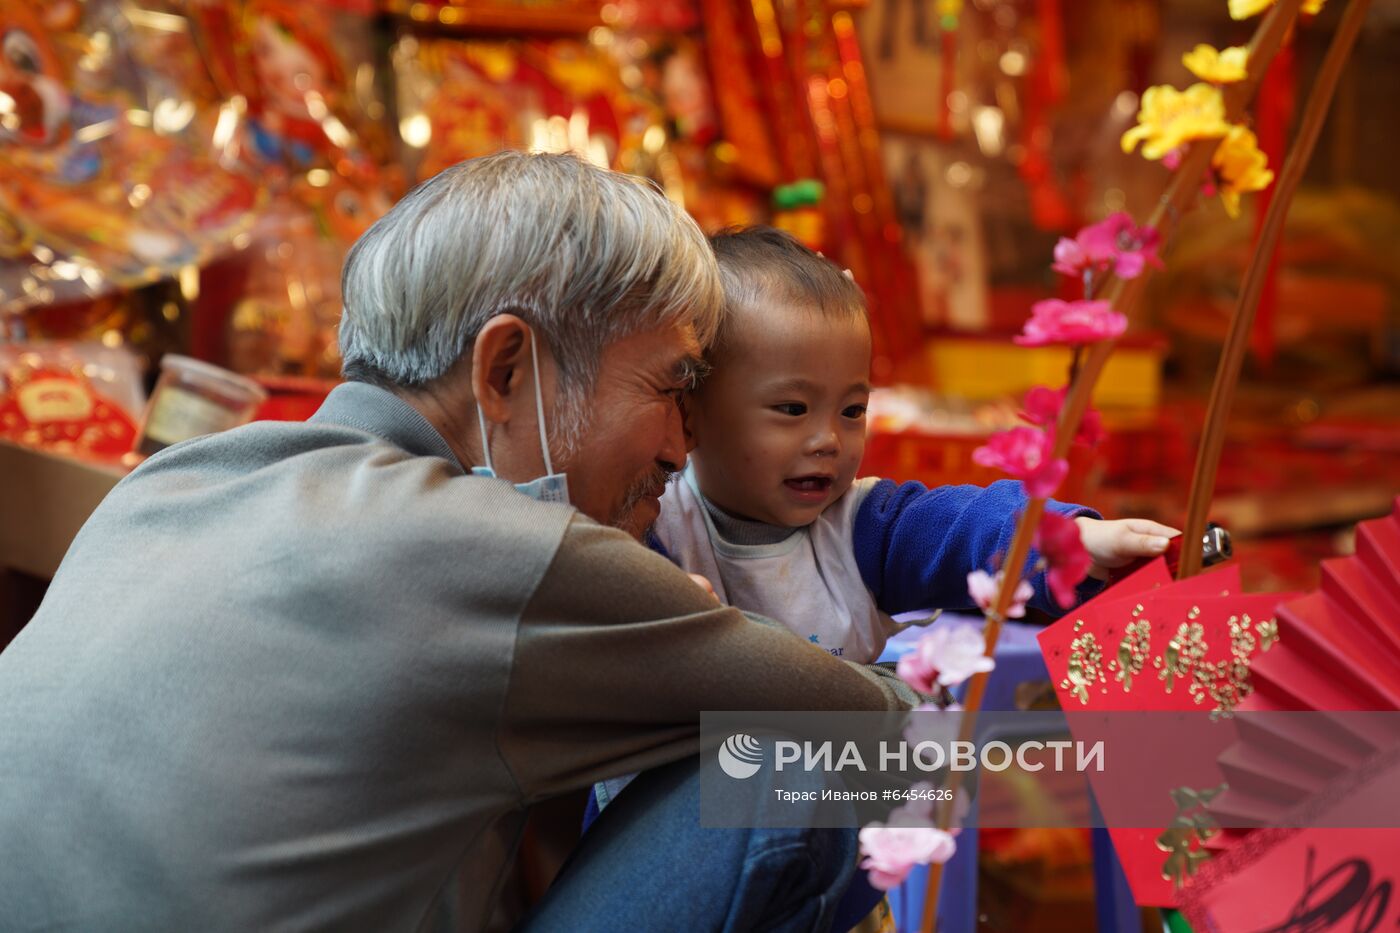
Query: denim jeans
646	865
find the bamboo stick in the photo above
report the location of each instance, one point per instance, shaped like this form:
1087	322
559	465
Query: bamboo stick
1227	374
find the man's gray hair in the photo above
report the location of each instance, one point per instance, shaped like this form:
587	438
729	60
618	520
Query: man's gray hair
584	255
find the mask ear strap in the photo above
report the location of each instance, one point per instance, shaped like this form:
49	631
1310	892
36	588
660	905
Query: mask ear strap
539	405
485	444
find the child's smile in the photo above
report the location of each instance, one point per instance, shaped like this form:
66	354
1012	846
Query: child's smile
808	489
780	423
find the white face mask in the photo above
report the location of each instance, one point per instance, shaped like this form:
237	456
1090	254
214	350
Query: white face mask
552	487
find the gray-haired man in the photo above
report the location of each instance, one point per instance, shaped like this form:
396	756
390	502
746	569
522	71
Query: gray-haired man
312	676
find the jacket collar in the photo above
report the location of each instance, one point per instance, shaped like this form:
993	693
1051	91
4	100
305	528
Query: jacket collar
383	414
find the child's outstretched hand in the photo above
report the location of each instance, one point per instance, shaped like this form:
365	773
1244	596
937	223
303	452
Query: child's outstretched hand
1117	543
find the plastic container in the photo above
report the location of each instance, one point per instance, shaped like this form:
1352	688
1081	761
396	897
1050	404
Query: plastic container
192	398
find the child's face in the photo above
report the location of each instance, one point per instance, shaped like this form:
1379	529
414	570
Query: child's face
780	423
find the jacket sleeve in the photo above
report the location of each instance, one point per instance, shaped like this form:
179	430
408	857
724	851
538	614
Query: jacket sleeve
915	546
618	652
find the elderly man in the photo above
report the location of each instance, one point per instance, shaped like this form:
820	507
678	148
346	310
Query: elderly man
313	676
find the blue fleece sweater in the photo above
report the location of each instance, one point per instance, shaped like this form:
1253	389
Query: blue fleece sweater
915	546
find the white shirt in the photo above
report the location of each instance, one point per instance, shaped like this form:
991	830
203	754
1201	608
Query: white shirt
809	581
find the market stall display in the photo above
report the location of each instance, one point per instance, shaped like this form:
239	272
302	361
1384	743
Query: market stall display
181	181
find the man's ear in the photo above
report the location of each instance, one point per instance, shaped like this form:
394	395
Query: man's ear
500	365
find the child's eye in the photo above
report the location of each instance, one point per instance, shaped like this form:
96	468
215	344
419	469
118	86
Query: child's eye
793	409
854	411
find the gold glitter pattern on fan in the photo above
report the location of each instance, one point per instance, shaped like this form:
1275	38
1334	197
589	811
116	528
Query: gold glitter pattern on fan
1185	836
1133	650
1225	682
1085	664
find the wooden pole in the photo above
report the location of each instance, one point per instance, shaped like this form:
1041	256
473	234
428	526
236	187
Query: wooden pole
1227	374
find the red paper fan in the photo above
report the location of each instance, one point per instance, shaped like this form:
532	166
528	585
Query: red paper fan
1151	644
1333	650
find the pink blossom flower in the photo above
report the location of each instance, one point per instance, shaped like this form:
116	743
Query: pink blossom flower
1074	322
946	656
917	671
920	810
891	851
929	722
1025	453
1074	258
1057	539
930	732
1113	243
1042	408
984	589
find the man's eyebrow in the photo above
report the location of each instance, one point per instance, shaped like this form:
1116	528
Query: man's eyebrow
689	371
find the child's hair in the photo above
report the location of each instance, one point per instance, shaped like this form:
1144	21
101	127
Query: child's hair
763	264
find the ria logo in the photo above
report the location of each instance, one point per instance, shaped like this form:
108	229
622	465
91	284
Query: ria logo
740	756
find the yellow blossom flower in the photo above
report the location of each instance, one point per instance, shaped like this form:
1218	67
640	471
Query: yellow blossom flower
1170	118
1224	66
1244	9
1241	167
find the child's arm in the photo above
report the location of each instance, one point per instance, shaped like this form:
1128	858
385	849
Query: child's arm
915	546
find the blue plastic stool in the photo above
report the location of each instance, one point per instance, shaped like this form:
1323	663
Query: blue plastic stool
1114	907
1018	660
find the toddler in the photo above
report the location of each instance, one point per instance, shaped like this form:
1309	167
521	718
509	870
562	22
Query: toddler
769	511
